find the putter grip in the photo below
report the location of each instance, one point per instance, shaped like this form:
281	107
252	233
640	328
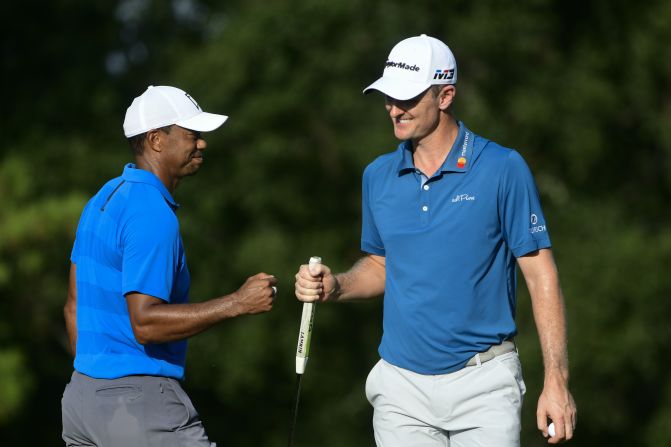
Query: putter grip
305	332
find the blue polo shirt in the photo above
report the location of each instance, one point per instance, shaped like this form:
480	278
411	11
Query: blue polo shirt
127	240
450	243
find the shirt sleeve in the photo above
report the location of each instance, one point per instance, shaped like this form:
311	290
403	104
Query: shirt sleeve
371	242
524	226
151	253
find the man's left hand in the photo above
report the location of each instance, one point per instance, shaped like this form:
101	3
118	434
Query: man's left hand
557	405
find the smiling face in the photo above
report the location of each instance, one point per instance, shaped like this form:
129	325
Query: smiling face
415	119
182	151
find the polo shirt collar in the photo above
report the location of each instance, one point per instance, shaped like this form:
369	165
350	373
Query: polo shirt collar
405	164
458	160
132	173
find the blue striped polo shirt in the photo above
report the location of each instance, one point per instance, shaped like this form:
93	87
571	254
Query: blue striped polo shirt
127	241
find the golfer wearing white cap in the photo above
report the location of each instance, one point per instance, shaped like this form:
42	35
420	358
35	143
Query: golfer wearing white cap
127	312
447	216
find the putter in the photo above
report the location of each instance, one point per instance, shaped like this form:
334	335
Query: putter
303	348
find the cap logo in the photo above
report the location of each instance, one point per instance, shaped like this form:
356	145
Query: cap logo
444	74
193	101
402	65
461	162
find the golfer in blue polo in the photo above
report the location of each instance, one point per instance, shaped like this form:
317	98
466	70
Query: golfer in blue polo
447	216
128	314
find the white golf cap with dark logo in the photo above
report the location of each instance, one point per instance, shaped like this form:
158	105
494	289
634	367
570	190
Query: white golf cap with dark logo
414	65
161	106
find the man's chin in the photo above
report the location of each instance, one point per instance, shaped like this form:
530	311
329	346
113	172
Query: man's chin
192	168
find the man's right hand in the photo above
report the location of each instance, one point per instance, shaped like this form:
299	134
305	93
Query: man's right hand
319	285
257	294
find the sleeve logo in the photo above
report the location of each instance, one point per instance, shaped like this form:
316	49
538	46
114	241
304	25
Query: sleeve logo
536	228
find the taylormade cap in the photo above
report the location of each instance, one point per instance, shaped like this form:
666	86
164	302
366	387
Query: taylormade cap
414	65
162	106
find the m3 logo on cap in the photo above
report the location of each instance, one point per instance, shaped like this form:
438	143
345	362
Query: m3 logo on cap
444	74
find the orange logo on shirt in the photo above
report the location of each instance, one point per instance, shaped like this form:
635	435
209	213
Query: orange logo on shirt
461	162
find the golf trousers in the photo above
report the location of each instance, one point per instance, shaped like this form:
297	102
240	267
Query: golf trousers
476	406
137	411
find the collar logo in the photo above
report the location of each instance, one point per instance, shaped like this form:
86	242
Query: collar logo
461	162
444	74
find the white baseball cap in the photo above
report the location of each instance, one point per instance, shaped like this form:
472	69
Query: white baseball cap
161	106
414	65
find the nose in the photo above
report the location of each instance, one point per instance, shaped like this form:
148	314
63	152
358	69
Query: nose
201	144
394	110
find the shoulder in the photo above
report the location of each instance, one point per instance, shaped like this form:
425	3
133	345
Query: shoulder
495	154
384	163
147	211
102	196
148	202
106	189
491	150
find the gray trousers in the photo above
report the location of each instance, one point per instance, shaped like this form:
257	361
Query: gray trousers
137	411
477	406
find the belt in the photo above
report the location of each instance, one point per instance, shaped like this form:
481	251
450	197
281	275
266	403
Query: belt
496	350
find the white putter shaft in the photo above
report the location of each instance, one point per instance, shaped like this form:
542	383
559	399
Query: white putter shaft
305	333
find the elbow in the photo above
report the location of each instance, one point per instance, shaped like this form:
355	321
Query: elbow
70	312
142	336
142	333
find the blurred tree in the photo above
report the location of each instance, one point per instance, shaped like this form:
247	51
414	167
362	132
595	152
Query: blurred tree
581	89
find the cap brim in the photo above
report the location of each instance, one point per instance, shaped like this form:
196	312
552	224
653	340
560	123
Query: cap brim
203	122
397	88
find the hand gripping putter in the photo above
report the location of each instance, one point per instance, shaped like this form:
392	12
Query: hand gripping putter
303	348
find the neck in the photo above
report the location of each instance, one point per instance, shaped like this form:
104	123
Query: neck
153	166
430	152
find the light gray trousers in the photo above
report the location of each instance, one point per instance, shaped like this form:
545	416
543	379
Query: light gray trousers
476	406
138	411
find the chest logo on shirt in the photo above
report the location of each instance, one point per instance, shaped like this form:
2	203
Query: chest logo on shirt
463	198
461	162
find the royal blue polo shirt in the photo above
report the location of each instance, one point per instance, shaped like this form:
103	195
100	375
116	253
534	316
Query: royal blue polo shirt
450	243
128	240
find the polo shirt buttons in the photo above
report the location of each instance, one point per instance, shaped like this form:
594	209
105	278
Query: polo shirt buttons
426	187
425	208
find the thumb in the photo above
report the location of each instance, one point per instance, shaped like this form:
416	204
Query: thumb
317	270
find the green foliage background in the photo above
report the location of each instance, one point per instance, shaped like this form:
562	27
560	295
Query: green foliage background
581	89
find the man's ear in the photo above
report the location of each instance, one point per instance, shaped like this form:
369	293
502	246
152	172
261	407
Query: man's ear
446	96
154	139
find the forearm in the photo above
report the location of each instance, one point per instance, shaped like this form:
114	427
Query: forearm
155	321
161	323
70	309
555	402
550	316
70	314
364	280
